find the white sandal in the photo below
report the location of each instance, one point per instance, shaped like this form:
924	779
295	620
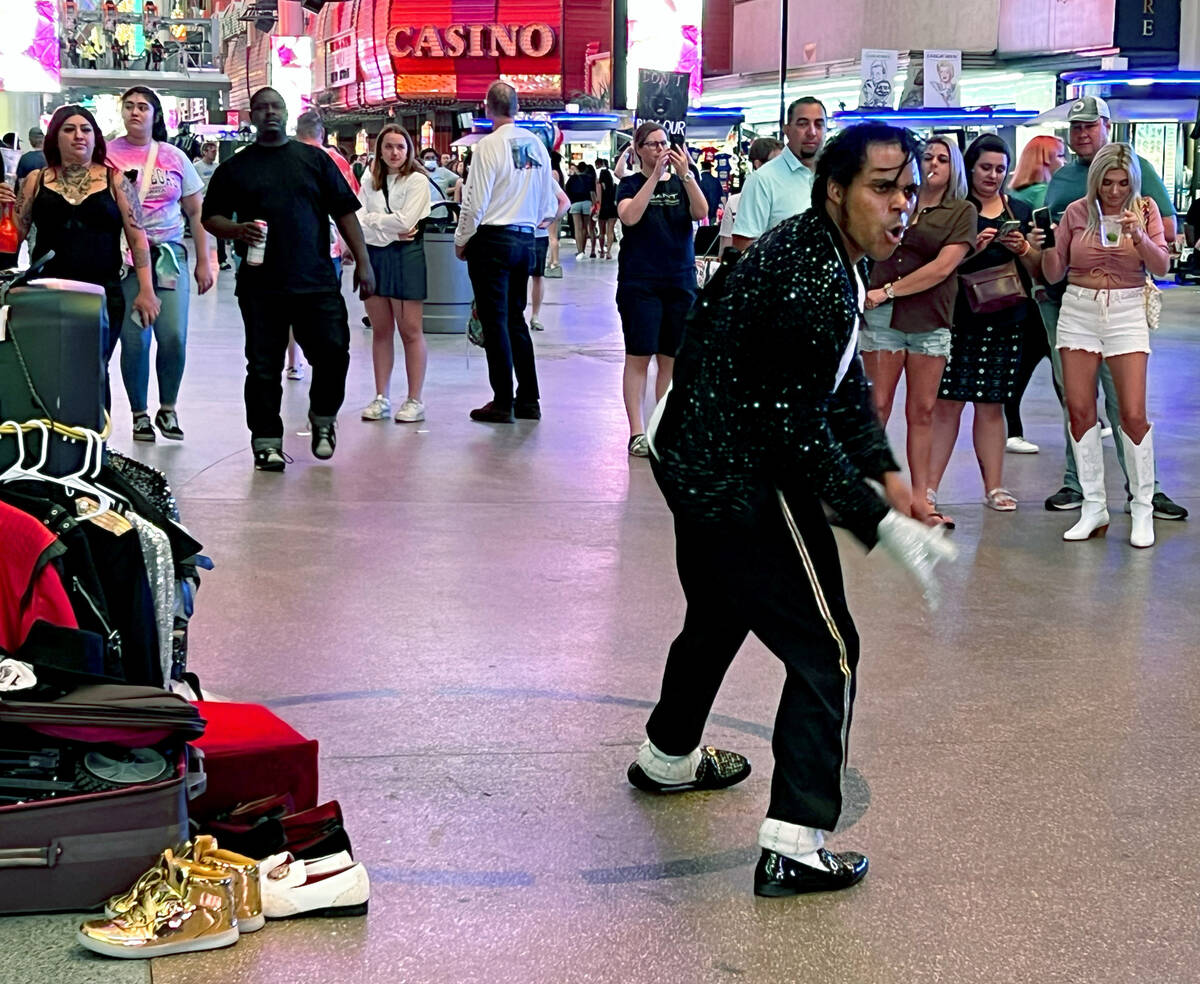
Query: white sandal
1001	500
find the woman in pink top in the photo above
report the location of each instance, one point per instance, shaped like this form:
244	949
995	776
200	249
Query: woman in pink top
1106	244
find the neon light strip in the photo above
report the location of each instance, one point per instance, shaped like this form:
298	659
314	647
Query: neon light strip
933	116
1132	78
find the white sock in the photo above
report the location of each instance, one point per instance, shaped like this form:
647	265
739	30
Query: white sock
660	766
792	841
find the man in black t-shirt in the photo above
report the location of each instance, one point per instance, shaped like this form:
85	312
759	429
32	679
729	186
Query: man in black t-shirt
295	189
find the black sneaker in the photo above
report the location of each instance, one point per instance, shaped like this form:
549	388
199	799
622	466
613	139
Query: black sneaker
1164	506
718	769
528	411
777	875
270	459
489	413
324	440
226	266
167	421
143	430
1065	498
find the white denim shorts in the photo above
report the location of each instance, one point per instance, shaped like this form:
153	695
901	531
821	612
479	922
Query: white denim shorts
1107	322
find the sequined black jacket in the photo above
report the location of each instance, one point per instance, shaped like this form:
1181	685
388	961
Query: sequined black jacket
753	406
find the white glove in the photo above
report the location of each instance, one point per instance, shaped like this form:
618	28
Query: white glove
917	548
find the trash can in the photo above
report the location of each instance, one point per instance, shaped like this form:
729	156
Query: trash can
448	288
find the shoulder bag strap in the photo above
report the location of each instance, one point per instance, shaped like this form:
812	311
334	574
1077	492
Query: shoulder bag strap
387	203
148	170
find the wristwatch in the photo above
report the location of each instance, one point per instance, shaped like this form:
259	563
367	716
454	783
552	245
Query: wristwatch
687	177
891	294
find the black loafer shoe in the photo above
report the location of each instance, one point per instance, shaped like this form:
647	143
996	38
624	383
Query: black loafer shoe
489	413
777	875
718	769
528	411
1065	498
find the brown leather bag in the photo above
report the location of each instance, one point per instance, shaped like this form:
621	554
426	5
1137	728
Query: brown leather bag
994	288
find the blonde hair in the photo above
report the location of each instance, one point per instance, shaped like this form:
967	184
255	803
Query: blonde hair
956	187
1112	157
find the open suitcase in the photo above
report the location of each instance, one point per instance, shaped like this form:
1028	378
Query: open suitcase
72	852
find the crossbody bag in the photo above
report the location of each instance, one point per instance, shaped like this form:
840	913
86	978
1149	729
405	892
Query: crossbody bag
994	288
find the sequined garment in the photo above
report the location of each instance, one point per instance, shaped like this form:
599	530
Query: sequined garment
753	405
146	479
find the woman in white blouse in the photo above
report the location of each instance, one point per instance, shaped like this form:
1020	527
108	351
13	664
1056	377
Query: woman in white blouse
395	200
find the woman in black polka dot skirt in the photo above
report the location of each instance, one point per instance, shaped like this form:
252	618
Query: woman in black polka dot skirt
985	349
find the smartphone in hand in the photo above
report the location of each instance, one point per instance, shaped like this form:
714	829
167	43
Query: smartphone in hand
1041	219
1010	225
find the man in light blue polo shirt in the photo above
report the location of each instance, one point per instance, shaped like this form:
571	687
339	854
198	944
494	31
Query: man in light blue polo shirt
782	187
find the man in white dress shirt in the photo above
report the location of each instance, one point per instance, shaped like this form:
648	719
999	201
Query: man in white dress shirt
510	192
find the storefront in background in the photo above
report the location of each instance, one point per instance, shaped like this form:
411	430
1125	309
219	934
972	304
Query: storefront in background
376	53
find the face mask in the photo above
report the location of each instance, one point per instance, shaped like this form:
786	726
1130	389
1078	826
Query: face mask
431	165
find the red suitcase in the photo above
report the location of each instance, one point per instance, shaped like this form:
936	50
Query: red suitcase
249	753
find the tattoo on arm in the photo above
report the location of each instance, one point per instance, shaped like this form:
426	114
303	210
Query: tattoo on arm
135	235
24	211
131	207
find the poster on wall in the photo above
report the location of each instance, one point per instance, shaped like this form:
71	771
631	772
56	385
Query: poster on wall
29	52
663	99
878	71
292	74
664	35
943	70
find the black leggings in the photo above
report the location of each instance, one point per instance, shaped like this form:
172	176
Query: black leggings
1034	348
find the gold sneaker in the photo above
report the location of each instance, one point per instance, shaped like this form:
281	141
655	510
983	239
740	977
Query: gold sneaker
119	905
247	889
190	908
247	892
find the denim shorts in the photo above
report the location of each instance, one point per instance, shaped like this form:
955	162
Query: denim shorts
877	335
580	208
1106	322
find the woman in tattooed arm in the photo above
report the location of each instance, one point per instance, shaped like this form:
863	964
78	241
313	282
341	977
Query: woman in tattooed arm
81	206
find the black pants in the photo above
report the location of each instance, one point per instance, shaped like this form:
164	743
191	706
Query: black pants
780	578
498	262
318	320
221	255
1034	347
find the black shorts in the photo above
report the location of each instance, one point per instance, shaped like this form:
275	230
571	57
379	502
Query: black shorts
538	267
652	316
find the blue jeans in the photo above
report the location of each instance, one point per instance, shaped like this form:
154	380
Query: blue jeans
170	332
1112	408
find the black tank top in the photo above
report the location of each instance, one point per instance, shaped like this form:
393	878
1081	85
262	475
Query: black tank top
86	238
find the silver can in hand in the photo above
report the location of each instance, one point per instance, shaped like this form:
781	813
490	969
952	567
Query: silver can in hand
256	251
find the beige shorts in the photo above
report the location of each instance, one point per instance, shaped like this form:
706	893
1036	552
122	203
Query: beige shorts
1107	322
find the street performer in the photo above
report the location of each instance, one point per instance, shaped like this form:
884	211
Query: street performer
770	414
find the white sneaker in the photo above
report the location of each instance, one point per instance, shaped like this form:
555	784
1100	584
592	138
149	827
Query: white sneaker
410	412
1018	445
1105	432
536	325
293	888
580	256
377	409
295	372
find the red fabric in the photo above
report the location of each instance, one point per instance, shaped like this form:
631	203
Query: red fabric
26	593
344	166
250	753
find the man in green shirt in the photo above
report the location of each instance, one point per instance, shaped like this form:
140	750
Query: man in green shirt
1090	121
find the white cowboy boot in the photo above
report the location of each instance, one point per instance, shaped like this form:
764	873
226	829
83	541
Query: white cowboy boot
1089	464
1139	463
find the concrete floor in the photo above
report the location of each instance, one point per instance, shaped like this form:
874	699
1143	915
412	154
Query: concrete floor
473	620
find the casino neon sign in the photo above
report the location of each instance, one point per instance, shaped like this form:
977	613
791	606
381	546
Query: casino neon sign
472	41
